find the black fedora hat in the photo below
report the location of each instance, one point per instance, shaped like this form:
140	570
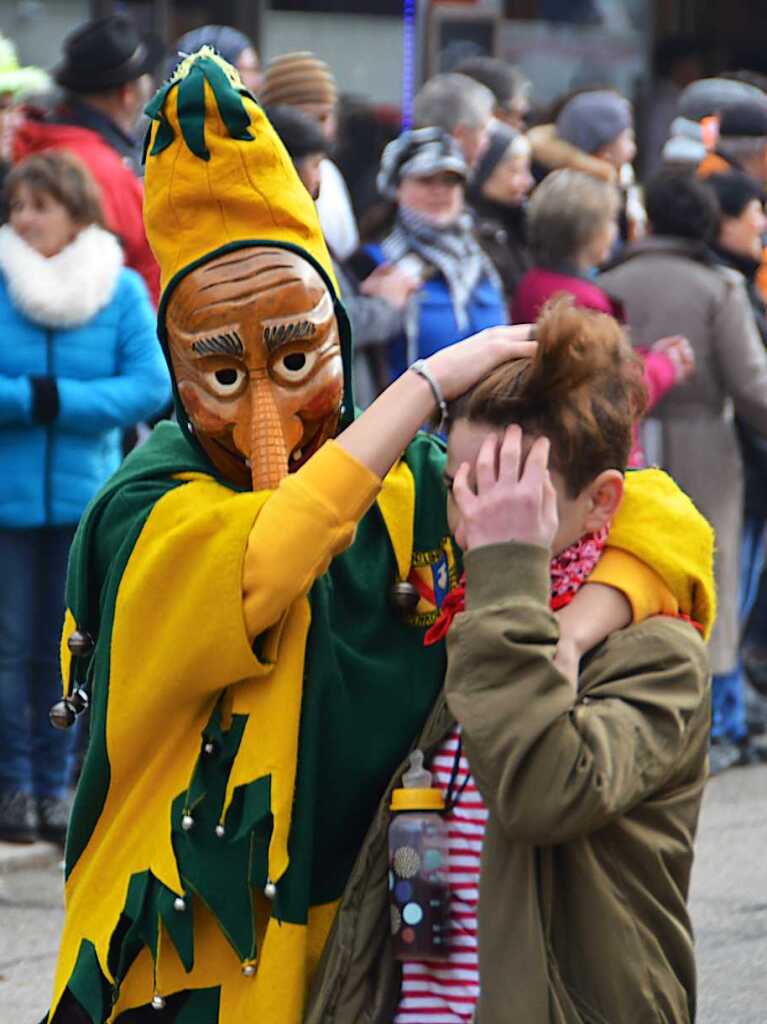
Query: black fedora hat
105	54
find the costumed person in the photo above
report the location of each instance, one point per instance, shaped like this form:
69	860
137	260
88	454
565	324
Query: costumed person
257	585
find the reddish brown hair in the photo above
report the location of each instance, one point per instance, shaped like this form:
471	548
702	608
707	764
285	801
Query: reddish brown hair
583	390
64	177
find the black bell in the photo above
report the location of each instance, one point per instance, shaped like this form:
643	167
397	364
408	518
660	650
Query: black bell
80	643
62	715
404	597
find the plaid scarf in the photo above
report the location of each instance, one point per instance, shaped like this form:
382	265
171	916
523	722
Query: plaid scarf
569	571
451	249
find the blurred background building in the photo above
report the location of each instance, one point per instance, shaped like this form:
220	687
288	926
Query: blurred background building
561	45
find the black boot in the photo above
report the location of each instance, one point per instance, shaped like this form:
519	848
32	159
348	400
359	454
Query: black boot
18	817
53	812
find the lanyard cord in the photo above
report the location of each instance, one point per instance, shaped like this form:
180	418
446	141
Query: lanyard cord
452	796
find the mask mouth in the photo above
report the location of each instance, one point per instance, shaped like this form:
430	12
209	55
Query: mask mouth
313	438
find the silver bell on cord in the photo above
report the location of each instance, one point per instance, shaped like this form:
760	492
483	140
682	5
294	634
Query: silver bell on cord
62	715
404	597
80	643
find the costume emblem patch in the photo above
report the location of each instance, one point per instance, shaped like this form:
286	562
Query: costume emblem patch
433	574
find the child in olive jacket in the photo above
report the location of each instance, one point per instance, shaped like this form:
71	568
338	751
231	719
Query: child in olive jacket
593	788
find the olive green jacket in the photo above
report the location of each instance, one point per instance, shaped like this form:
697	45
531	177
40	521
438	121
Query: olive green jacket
594	802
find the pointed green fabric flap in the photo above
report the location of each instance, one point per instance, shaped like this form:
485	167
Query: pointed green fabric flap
200	1007
88	985
191	112
229	101
254	810
179	924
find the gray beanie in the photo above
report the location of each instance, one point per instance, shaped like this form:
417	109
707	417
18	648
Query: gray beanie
710	96
591	120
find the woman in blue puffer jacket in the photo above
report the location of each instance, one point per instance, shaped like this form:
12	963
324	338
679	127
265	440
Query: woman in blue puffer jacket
79	362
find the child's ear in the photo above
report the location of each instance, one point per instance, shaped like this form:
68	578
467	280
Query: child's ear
605	496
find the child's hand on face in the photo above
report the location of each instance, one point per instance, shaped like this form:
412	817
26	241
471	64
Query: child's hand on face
514	499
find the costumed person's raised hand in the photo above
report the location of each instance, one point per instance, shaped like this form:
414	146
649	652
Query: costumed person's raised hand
459	367
379	436
513	498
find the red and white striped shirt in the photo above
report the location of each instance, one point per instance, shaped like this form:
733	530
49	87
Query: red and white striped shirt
446	993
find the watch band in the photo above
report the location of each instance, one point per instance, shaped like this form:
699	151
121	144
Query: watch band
421	368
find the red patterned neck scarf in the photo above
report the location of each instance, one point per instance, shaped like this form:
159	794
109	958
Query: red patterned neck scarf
569	571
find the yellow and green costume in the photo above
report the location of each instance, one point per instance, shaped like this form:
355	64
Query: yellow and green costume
228	785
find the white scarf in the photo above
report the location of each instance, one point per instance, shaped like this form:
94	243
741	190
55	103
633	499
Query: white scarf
65	290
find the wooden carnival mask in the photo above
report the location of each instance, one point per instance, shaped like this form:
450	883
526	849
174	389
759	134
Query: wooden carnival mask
255	349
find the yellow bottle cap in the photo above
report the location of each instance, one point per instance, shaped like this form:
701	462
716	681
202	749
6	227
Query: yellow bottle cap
417	800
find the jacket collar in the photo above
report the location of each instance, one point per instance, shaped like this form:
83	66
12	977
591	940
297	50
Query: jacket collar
512	218
82	115
745	265
664	245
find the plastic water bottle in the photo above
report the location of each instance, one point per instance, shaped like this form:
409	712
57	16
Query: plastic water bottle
418	867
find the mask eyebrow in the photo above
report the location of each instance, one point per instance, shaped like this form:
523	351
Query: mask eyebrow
229	344
279	331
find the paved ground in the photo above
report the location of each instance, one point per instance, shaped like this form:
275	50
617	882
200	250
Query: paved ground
729	899
729	907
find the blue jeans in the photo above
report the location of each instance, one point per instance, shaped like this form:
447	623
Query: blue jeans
728	704
35	758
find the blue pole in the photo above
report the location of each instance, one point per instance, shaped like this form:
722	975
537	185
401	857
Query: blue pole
409	36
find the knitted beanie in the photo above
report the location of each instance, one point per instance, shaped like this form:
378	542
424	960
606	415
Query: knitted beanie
298	78
710	96
502	139
591	120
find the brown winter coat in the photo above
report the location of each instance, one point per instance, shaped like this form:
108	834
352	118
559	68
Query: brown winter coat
594	803
666	289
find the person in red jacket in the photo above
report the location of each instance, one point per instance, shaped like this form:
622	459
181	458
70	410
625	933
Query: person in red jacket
572	225
105	75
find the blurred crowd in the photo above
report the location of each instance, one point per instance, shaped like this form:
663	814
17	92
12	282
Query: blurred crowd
472	218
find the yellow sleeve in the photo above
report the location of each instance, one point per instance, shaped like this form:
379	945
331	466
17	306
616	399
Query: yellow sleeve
305	523
642	587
